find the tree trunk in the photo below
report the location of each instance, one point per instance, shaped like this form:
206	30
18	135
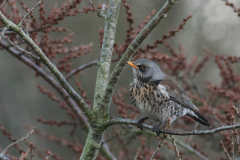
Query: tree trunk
92	145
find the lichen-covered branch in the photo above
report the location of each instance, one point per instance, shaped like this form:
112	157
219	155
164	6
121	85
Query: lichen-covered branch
131	50
107	49
180	133
95	135
86	109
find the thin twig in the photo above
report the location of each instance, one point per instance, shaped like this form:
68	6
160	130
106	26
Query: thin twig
76	71
175	147
99	13
20	140
160	143
24	155
39	2
190	137
3	31
224	150
234	130
22	50
3	4
232	138
138	153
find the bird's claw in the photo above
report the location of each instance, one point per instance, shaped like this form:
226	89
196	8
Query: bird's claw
139	125
140	122
156	129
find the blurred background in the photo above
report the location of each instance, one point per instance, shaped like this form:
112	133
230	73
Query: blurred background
213	25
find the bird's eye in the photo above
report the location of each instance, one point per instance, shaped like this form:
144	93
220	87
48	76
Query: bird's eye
144	67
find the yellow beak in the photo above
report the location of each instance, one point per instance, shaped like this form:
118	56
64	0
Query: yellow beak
132	64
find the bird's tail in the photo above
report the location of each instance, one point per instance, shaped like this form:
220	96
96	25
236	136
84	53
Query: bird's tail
199	118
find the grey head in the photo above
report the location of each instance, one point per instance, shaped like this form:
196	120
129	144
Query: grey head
146	70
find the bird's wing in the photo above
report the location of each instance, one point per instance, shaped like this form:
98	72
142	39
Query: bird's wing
176	93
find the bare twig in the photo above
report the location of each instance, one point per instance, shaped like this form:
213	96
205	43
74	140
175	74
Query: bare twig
24	155
76	71
235	9
175	147
138	153
22	50
20	140
73	72
234	130
186	146
3	31
99	13
190	137
224	150
39	2
232	138
160	143
3	4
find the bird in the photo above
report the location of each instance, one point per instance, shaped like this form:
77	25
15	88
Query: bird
158	97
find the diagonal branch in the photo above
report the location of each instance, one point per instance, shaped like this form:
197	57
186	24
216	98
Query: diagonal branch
76	71
131	50
86	109
180	133
22	50
160	144
175	147
3	4
86	65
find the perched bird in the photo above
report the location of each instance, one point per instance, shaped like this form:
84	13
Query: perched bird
158	97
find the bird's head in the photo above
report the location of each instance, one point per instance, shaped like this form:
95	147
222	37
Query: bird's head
146	70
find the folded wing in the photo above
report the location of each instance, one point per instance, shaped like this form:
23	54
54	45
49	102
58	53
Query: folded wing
176	93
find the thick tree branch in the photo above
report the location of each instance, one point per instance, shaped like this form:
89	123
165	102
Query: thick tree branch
86	109
95	135
107	50
131	50
180	133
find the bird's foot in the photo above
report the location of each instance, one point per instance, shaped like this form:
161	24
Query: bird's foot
140	122
157	129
